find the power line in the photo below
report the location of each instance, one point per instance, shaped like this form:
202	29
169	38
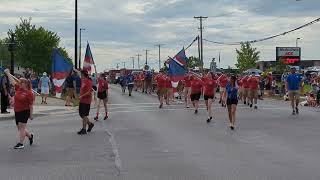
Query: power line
267	38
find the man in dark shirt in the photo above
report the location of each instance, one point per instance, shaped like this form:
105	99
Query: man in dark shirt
70	85
4	94
262	87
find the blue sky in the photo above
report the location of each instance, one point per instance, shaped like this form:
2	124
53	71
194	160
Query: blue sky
120	29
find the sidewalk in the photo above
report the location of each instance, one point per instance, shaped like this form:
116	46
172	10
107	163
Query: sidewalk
54	106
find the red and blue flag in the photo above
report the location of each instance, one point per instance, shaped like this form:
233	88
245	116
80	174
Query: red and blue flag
177	69
178	66
88	59
61	69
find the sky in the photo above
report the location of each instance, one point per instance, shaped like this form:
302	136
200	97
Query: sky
120	29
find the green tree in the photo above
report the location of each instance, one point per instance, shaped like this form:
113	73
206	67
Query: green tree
193	62
4	53
247	57
35	46
280	67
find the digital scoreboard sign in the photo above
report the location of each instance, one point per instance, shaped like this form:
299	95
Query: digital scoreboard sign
289	55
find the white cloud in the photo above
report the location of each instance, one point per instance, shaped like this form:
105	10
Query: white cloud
118	30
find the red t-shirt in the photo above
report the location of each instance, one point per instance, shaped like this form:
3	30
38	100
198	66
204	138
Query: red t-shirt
253	83
168	83
103	85
269	79
187	81
245	83
240	82
23	99
196	86
86	86
223	80
161	81
209	85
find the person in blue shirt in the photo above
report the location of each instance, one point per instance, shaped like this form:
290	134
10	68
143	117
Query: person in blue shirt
123	82
130	82
35	83
293	86
45	86
231	94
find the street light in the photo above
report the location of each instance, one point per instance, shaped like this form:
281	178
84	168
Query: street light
81	29
297	41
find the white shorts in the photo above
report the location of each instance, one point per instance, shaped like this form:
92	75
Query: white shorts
45	90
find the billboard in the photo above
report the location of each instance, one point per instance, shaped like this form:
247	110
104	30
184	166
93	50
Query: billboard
289	55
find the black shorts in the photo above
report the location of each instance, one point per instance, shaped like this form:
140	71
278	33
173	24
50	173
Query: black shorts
195	97
208	97
232	101
102	95
84	110
22	117
94	88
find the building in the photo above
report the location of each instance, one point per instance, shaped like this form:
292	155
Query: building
263	65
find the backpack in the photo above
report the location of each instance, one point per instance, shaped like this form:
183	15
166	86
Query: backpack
148	75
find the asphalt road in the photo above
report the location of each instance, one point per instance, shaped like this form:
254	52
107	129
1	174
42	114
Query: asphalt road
140	141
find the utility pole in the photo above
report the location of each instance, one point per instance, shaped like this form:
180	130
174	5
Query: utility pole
139	60
132	62
199	48
159	45
147	56
201	37
11	48
81	29
76	35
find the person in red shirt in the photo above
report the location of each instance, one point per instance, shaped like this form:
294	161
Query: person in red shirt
222	80
161	87
187	89
240	85
169	96
102	95
196	89
269	80
246	89
253	86
23	107
85	102
210	85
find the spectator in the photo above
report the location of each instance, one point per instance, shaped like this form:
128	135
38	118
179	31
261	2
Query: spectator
262	87
78	83
311	99
273	87
70	85
35	83
45	87
269	83
4	89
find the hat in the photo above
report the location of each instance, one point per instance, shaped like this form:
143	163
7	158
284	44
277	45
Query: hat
44	74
